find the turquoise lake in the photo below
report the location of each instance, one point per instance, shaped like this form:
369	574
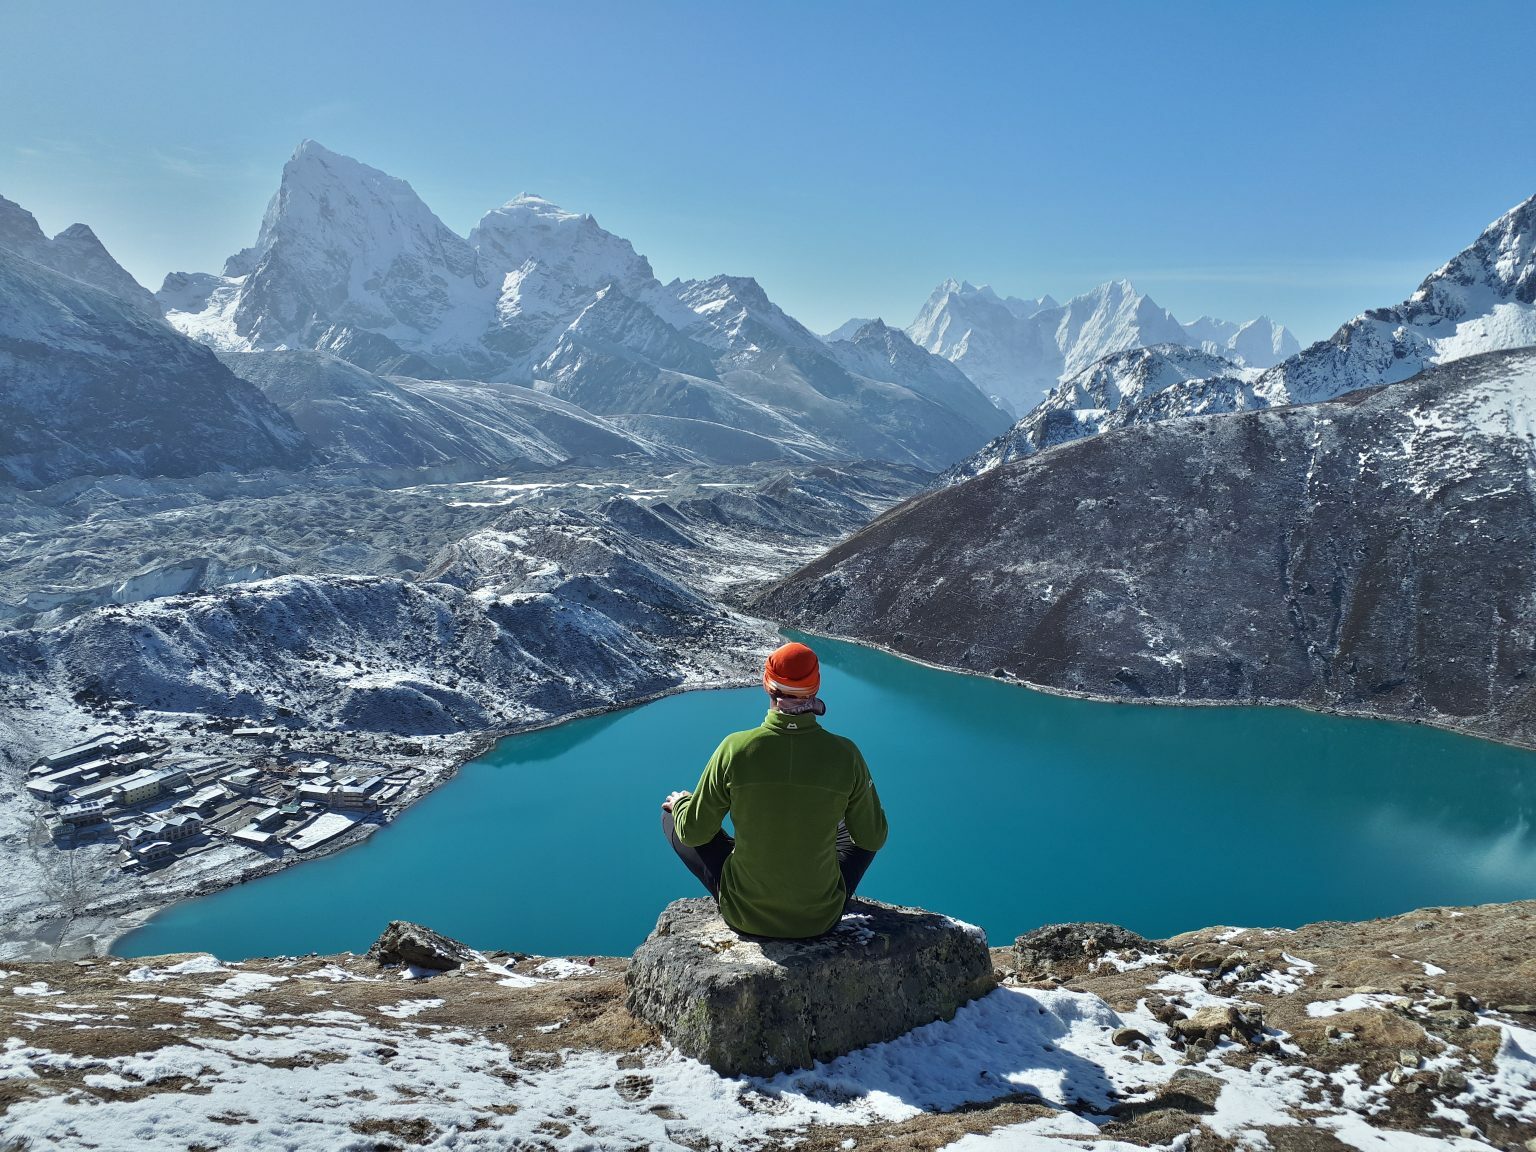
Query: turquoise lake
1008	808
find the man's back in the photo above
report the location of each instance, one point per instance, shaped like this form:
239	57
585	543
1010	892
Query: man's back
786	784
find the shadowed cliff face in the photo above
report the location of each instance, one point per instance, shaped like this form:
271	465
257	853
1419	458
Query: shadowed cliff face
1372	553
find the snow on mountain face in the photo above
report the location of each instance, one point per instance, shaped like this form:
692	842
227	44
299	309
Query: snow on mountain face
1018	349
74	252
1011	359
732	314
90	385
846	330
345	243
1260	343
550	263
881	352
1482	300
356	417
351	262
1138	386
613	345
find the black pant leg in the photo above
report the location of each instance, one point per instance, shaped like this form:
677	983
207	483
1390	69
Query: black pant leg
707	861
852	861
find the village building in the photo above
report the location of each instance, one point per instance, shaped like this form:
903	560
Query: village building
268	819
172	830
316	792
152	851
48	788
322	828
254	837
84	814
146	786
265	733
358	793
241	783
100	790
107	744
203	801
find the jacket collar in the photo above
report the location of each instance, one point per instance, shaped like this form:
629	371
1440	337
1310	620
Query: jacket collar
778	722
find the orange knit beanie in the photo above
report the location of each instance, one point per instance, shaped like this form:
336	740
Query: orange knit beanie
792	670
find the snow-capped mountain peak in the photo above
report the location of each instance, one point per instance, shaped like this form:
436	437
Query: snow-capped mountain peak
847	330
734	314
1482	300
1019	349
547	263
1500	266
344	243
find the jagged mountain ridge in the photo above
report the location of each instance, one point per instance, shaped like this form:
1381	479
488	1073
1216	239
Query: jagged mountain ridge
1016	349
1482	300
1138	386
74	252
1369	553
351	261
90	385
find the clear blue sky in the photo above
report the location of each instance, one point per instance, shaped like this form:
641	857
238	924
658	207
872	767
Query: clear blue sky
1304	160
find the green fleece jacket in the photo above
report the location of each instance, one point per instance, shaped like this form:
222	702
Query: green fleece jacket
786	784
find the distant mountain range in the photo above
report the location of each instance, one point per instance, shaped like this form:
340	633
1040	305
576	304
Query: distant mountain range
1480	301
379	336
1017	350
349	261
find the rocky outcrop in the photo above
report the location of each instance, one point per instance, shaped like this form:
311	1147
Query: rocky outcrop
745	1005
1065	950
420	947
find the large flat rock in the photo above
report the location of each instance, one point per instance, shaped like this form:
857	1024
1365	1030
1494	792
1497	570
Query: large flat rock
748	1005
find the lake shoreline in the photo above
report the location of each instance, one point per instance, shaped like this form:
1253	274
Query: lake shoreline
480	744
111	927
1169	701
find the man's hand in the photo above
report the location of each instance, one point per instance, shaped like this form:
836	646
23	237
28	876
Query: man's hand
673	798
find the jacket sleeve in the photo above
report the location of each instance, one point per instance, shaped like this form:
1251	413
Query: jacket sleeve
865	817
698	816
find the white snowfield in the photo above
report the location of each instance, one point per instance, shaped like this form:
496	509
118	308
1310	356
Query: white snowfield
322	1080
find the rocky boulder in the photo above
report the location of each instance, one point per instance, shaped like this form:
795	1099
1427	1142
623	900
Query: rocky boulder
406	943
746	1005
1068	950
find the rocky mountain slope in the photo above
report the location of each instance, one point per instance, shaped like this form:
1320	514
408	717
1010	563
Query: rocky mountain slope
1410	1032
1018	349
1370	554
350	261
352	416
1137	386
1481	301
74	252
89	384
